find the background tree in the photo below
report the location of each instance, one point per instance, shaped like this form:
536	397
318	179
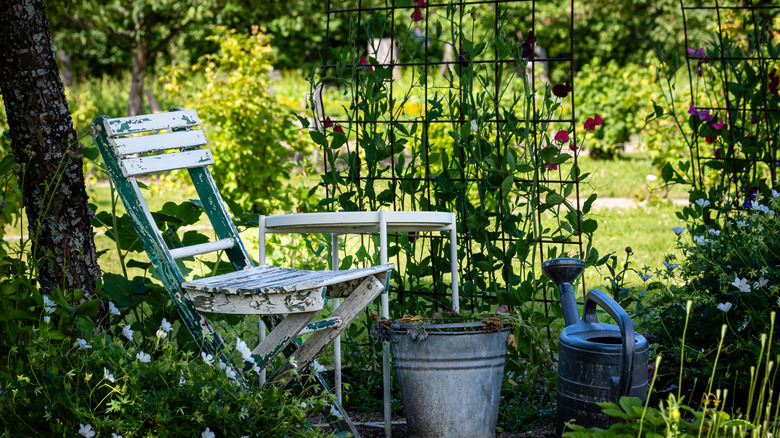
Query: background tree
45	146
141	30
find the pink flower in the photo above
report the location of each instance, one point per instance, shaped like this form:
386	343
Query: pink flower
592	122
338	129
573	147
364	62
562	136
551	166
328	123
417	15
420	2
719	124
501	309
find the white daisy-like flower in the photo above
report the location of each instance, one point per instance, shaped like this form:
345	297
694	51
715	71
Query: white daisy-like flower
161	334
742	223
231	373
761	282
678	230
86	430
209	359
222	365
166	326
107	375
701	240
714	232
83	343
741	284
143	357
112	308
702	202
724	307
671	266
127	331
207	434
48	305
242	348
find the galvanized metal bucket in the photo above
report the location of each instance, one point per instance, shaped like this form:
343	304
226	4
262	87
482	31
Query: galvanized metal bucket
450	380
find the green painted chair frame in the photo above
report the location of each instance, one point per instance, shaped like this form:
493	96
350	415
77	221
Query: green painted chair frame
287	300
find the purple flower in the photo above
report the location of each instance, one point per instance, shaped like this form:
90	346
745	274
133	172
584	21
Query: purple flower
692	110
528	46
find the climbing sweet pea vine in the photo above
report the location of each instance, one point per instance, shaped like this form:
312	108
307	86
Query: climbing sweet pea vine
473	135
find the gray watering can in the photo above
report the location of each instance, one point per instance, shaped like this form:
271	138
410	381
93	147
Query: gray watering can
597	362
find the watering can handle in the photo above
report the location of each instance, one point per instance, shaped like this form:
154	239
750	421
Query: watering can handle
617	313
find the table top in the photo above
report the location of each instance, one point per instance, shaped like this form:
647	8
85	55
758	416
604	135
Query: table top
360	222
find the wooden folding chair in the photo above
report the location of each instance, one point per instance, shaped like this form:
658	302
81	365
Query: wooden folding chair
147	144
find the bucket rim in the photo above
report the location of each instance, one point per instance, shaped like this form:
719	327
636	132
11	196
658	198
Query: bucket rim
451	328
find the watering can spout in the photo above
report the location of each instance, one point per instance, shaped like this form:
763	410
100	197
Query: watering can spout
563	272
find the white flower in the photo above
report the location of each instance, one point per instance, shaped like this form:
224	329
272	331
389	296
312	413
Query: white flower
86	430
646	277
222	365
48	305
143	357
209	359
231	373
671	265
166	326
742	223
127	332
207	434
724	307
112	308
83	344
761	282
474	127
246	353
762	208
741	284
114	435
701	240
678	230
47	319
702	202
775	194
161	334
107	375
744	324
318	367
714	232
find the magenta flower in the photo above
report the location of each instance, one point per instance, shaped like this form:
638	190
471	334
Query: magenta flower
551	166
417	15
364	62
562	136
328	123
711	139
705	116
573	147
719	124
592	122
338	129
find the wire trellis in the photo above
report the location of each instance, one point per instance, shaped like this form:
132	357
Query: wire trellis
447	107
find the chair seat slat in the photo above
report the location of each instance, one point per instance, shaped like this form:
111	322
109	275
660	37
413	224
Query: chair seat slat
151	122
163	162
270	279
203	248
158	142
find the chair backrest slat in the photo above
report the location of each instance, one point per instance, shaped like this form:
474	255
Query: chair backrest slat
164	162
151	122
158	142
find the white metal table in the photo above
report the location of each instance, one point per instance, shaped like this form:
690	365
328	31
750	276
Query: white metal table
367	222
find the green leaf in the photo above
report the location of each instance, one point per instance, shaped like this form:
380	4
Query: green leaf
554	199
88	308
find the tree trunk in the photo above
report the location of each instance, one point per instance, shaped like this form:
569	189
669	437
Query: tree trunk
44	143
135	104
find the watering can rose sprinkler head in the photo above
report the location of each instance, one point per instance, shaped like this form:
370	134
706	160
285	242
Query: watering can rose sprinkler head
563	272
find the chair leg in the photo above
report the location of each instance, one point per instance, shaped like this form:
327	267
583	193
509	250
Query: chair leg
348	310
281	335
